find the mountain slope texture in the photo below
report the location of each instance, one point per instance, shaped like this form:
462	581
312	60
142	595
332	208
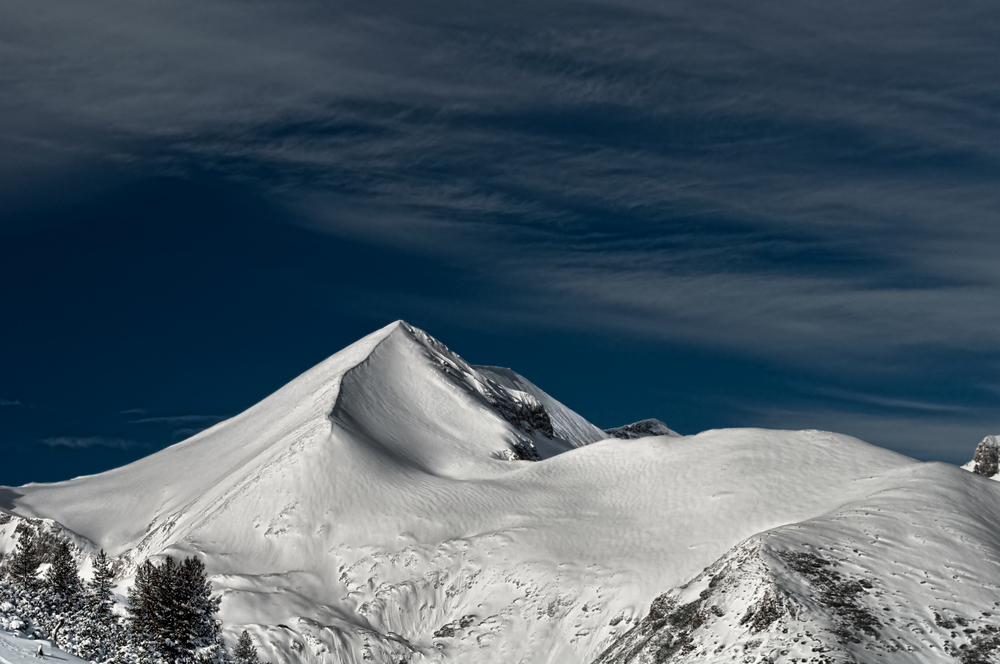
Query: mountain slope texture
396	504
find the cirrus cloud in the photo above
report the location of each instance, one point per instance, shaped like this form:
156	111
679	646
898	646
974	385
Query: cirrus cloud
87	442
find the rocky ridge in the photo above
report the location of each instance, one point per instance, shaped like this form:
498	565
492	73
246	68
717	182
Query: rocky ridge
641	429
986	460
871	582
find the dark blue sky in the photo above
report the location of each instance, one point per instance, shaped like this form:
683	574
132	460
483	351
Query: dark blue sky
785	215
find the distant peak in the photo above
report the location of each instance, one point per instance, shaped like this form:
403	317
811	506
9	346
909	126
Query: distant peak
986	461
642	429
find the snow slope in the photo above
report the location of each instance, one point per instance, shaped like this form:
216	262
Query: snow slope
15	649
369	510
907	574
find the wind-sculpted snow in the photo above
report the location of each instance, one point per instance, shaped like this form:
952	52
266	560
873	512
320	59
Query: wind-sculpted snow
415	401
361	513
187	478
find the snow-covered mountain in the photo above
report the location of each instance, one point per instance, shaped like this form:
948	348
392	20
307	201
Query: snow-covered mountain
384	506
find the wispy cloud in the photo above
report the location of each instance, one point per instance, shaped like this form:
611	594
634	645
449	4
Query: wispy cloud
183	426
87	442
174	420
882	401
134	411
806	181
10	403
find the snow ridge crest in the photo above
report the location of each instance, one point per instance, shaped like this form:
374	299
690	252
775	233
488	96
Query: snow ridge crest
521	409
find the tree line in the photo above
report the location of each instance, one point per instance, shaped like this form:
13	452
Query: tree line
170	617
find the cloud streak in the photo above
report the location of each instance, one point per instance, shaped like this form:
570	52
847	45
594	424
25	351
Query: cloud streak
88	442
183	426
809	182
174	420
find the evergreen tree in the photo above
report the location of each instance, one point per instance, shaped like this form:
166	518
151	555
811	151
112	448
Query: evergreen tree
56	608
167	619
62	577
100	598
245	651
142	606
98	631
199	607
25	560
172	612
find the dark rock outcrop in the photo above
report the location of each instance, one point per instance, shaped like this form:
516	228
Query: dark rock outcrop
641	429
522	410
987	458
757	604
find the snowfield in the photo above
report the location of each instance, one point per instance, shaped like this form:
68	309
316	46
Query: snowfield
384	506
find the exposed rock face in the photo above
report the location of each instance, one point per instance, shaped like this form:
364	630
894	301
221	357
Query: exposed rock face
987	457
519	408
719	611
520	450
749	602
641	429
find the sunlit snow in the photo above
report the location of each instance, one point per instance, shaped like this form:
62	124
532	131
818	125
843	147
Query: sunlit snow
379	508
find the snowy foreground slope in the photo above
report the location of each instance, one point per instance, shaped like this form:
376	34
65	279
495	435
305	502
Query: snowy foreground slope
17	650
384	507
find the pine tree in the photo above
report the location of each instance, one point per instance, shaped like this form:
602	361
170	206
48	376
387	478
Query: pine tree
172	612
56	608
97	628
25	560
200	606
245	651
169	624
99	597
62	577
141	621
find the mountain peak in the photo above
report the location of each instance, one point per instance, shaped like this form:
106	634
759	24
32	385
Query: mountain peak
986	460
414	399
